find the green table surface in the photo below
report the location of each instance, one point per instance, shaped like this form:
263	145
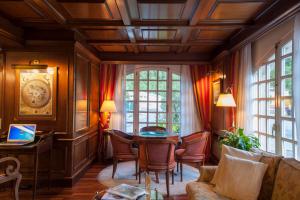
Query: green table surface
156	134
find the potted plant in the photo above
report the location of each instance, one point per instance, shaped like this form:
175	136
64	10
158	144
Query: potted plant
239	140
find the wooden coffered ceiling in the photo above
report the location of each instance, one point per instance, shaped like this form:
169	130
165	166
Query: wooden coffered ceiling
124	30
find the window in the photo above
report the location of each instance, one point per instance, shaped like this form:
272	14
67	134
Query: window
152	98
274	121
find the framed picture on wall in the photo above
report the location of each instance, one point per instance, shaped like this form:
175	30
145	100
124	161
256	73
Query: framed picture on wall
36	94
216	87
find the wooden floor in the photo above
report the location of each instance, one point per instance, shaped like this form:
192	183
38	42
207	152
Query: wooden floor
84	189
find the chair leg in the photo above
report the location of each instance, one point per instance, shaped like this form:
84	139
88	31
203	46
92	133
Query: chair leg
181	179
17	185
139	175
114	167
173	177
177	166
156	177
167	182
136	169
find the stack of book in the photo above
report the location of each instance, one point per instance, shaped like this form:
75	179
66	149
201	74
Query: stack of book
124	192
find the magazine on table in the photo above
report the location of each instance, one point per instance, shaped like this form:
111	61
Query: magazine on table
127	191
109	196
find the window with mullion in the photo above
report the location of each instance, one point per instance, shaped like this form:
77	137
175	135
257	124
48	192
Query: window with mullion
129	102
152	99
287	118
264	104
273	121
176	103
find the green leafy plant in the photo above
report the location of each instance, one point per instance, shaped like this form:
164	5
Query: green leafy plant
239	140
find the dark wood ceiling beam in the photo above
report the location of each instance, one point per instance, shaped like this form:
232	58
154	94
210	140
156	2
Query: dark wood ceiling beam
280	11
160	22
81	1
86	24
9	34
52	9
156	42
162	1
127	21
158	58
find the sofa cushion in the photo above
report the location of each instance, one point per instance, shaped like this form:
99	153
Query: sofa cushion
240	178
272	161
207	173
287	184
201	190
236	153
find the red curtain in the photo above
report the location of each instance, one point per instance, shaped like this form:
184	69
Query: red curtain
107	87
232	82
202	81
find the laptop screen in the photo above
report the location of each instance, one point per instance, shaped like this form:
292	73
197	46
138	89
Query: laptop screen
21	132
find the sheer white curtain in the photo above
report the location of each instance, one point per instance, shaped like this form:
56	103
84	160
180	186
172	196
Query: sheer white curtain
190	121
296	78
244	115
117	119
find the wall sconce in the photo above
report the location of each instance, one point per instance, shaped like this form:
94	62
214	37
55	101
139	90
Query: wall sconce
227	100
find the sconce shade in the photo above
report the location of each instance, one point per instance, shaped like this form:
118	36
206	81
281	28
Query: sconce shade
108	106
226	100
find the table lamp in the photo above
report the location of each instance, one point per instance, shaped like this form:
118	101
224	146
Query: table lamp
227	100
108	106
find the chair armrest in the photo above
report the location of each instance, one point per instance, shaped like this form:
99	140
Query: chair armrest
207	173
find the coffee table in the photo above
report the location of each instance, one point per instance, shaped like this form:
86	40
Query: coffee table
154	195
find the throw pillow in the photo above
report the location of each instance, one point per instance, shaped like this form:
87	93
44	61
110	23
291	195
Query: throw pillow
236	153
241	179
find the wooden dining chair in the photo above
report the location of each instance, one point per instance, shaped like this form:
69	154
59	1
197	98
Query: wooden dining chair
122	150
11	173
153	128
192	150
157	155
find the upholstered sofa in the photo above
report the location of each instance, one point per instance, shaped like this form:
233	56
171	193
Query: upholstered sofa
281	181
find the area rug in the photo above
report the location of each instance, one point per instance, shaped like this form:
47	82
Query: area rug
126	174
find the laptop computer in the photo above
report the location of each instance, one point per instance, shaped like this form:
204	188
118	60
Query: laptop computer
20	134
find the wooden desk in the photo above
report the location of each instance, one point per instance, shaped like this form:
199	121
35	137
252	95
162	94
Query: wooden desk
43	143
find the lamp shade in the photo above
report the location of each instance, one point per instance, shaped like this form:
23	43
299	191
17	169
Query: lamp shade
226	100
108	106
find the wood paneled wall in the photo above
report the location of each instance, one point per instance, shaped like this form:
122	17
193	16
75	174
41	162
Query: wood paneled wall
73	150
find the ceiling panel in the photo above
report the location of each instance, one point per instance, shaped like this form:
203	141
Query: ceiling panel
240	10
111	48
153	48
17	9
160	11
87	10
109	34
220	34
158	34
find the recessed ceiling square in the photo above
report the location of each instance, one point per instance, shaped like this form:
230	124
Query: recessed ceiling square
238	10
87	10
160	11
17	9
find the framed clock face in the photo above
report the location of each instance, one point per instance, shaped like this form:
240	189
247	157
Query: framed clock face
36	93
